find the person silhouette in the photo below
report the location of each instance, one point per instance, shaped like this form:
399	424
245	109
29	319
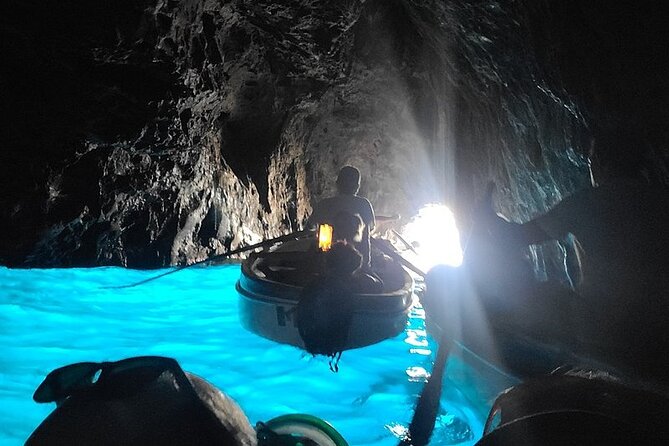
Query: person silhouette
347	200
620	230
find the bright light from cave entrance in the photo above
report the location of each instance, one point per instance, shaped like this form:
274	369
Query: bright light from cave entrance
434	236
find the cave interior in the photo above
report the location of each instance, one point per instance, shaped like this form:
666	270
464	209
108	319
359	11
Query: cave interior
155	133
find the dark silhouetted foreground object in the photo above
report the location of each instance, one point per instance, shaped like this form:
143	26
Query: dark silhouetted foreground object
581	409
326	306
137	401
298	430
614	318
150	400
324	315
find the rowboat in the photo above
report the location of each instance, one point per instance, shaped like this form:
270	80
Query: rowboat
272	283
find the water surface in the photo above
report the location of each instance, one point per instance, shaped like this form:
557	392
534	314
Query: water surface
53	317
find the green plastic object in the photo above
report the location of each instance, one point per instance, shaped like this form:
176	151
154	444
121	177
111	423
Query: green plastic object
307	426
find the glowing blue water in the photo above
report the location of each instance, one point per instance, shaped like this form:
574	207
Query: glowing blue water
49	318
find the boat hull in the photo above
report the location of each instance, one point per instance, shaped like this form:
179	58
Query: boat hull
268	309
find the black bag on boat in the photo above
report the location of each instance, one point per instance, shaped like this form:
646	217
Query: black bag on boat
324	316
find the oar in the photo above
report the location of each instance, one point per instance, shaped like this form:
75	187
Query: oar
427	407
385	218
403	240
283	238
390	251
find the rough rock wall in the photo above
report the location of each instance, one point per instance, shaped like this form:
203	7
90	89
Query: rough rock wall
535	78
168	146
160	132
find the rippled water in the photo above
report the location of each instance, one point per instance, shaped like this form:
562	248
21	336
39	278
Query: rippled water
53	317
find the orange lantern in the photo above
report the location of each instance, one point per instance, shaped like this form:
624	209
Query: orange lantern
325	237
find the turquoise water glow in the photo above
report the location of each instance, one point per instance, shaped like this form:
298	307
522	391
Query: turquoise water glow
53	317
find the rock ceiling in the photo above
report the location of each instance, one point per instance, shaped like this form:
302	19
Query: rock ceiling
149	133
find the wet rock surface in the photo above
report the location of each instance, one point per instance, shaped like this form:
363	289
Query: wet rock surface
158	132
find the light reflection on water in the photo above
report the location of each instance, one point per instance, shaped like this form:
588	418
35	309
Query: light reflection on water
49	318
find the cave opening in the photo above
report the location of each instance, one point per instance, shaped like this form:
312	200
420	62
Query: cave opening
434	237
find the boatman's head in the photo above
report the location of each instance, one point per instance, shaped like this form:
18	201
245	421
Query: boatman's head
348	180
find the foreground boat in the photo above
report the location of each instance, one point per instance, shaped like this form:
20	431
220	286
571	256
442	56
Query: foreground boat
272	282
578	407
